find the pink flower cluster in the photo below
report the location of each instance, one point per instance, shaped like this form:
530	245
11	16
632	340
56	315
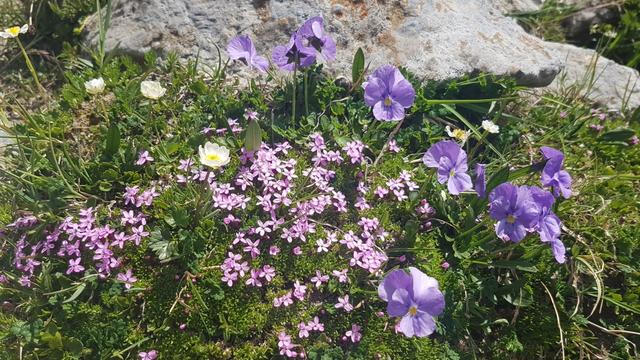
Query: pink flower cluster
75	239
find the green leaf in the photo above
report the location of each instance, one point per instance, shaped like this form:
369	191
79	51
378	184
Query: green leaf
357	68
112	143
76	293
73	345
253	136
619	134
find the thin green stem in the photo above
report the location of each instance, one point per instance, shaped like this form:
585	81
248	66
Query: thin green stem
30	66
295	90
306	94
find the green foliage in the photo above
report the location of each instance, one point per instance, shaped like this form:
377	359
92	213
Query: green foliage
81	152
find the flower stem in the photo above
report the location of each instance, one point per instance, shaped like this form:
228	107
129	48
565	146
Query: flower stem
306	95
295	90
30	66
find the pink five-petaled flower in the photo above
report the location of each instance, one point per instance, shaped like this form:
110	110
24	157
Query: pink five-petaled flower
241	48
415	297
316	325
148	355
127	278
354	333
303	330
74	266
341	275
144	158
343	303
319	279
389	93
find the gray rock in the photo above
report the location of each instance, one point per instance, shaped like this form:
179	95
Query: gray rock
517	6
609	84
436	39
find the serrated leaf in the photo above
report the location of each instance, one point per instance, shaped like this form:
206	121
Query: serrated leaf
253	136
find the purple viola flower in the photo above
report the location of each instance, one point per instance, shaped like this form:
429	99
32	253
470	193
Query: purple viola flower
481	181
312	32
553	174
451	162
415	297
389	93
515	211
294	54
549	225
241	48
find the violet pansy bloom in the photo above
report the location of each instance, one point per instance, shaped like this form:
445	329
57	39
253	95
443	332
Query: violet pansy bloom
515	211
241	48
389	93
481	181
294	54
549	225
553	175
415	297
451	162
312	32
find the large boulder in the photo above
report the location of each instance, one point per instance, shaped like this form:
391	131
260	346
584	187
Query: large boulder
435	39
597	78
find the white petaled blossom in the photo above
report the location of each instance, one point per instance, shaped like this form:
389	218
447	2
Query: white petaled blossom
14	32
94	86
458	134
213	155
490	126
152	89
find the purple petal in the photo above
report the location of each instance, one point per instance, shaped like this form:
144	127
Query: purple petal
564	182
260	63
374	91
328	48
444	148
549	228
239	47
426	293
403	92
458	183
399	303
394	112
423	325
394	280
406	326
279	56
481	182
515	232
444	169
558	249
551	153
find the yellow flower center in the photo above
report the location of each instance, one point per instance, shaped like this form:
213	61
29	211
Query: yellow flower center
452	173
387	101
14	31
511	219
213	157
459	134
413	311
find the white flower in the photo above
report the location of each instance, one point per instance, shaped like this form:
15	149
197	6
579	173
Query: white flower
14	31
458	134
94	86
213	155
152	89
490	126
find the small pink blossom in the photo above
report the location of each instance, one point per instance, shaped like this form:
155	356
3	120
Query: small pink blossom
144	158
343	303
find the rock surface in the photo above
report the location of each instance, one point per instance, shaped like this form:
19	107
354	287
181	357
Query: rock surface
611	85
436	39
